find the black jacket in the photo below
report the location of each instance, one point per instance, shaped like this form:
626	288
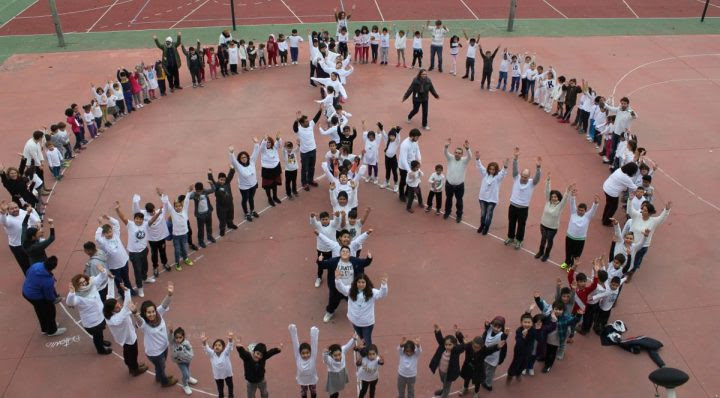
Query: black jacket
473	367
255	370
488	60
454	365
223	193
358	265
35	250
420	89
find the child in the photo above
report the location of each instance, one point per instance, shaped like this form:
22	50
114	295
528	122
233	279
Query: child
282	49
181	352
194	63
334	358
446	361
473	369
607	299
400	45
495	333
252	54
294	40
144	85
647	186
515	74
437	182
342	39
222	54
414	177
306	361
161	77
503	70
179	216
234	53
223	199
523	76
454	51
556	326
368	366
392	139
374	42
136	88
470	57
151	77
126	90
342	202
358	42
525	337
137	241
577	229
409	351
254	364
261	52
328	229
370	153
212	61
89	121
98	115
365	40
290	158
203	212
272	50
220	361
55	160
384	46
417	49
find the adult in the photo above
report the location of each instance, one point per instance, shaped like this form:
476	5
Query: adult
107	237
520	197
361	304
348	266
488	59
119	320
155	335
11	218
305	130
17	184
489	190
157	234
83	295
271	172
39	290
409	151
33	239
96	257
342	19
550	221
225	37
618	182
436	44
420	88
171	60
455	178
244	165
624	117
642	221
33	155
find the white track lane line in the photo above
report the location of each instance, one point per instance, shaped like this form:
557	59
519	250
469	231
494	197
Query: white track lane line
291	11
556	10
630	8
16	15
469	9
102	16
188	14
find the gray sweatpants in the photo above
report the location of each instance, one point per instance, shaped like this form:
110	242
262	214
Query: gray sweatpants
404	382
489	374
252	387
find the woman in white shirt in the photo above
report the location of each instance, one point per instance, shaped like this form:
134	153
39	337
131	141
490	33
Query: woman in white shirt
85	297
271	171
618	182
119	321
489	190
244	165
155	335
361	302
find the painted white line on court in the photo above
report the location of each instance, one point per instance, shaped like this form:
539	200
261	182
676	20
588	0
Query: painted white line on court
188	14
102	16
16	15
630	8
469	9
291	11
556	10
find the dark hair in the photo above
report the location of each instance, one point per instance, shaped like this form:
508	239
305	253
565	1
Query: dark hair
582	206
86	108
367	292
558	305
149	207
620	258
304	346
293	31
556	193
415	133
409	346
561	79
30	236
525	316
478	340
180	331
261	348
198	186
138	215
324	214
625	99
497	167
342	194
581	277
143	308
630	169
221	341
61	125
420	72
650	207
647	177
438	166
90	246
51	263
68	112
414	164
372	347
109	308
565	290
37	134
537	318
334	348
602	276
247	155
352	213
223	175
615	279
451	339
345	247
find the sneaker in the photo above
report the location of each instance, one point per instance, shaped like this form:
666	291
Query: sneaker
149	279
194	247
518	244
383	185
248	217
524	372
564	266
546	370
202	244
446	216
188	262
318	282
531	372
277	200
255	214
171	381
326	318
212	240
395	189
427	209
178	267
458	219
306	187
106	351
426	128
141	292
167	268
187	389
58	332
192	380
408	120
437	212
508	241
560	355
142	368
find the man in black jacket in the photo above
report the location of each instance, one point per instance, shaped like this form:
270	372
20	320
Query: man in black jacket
420	88
223	199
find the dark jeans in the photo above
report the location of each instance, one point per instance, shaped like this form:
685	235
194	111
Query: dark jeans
514	84
470	68
591	313
410	194
365	333
402	186
438	199
517	216
221	388
547	235
416	108
417	56
550	354
157	248
122	275
486	215
97	336
161	86
573	250
334	296
391	166
457	191
195	76
436	51
293	54
639	257
225	217
204	224
368	385
248	198
502	78
159	364
325	256
307	164
173	76
291	182
21	257
611	205
486	77
568	111
130	355
45	311
140	266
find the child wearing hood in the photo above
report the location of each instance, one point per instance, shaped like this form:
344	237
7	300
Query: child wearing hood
272	51
473	368
495	333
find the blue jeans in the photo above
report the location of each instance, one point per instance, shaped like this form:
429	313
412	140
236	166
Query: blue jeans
128	101
55	170
159	363
502	78
515	84
122	275
436	50
639	257
185	371
180	247
307	167
293	54
486	215
365	333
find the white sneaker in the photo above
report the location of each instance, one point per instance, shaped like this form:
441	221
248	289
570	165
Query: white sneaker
140	292
318	282
395	189
150	279
192	381
58	332
383	185
524	372
531	372
408	120
427	128
328	316
367	179
187	389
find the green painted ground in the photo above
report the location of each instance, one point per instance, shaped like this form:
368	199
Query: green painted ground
10	45
11	8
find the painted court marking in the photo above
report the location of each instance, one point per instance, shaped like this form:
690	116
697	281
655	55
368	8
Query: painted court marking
16	15
76	11
102	16
630	8
379	12
469	9
291	11
188	14
556	10
141	10
711	4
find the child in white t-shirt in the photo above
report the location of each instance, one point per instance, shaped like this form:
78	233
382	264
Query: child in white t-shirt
515	74
294	40
417	48
400	45
55	160
384	46
470	57
503	70
368	368
437	183
414	176
409	351
454	51
370	153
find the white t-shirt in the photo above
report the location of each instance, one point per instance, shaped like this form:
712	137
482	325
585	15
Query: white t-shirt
438	35
385	40
400	41
471	49
54	157
294	40
232	55
436	181
137	237
407	365
155	338
417	43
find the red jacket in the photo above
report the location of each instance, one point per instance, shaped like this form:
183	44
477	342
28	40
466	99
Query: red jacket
581	295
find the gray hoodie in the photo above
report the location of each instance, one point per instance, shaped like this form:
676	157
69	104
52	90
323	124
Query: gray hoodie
99	258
